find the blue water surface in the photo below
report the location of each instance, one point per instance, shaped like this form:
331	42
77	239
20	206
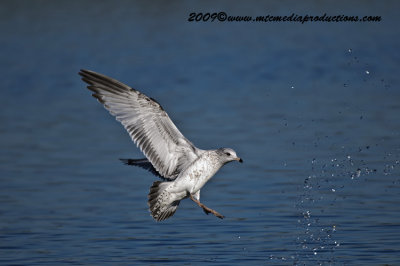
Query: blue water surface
313	109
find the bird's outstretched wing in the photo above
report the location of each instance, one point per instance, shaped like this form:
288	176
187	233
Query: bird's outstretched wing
146	122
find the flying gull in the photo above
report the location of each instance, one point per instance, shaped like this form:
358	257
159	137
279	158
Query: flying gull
183	167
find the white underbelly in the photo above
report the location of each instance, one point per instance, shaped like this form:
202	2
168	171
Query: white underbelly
196	176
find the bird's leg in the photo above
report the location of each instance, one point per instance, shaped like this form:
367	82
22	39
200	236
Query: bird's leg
206	209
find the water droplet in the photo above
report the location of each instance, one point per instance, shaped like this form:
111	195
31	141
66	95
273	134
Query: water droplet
358	172
367	72
350	50
307	214
292	87
333	190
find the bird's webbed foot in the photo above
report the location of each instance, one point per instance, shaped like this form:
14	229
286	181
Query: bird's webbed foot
206	209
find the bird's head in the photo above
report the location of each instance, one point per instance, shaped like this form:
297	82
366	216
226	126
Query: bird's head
228	155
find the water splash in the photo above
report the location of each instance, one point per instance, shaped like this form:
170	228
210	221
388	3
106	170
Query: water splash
319	194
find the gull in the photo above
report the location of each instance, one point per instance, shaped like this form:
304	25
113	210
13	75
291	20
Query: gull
183	168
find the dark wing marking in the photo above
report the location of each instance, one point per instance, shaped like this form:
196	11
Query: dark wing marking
145	164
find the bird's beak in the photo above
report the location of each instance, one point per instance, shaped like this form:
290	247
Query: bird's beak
239	159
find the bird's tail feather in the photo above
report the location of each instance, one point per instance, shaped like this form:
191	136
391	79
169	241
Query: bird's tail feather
161	202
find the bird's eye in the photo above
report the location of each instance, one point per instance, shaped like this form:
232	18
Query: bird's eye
227	153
